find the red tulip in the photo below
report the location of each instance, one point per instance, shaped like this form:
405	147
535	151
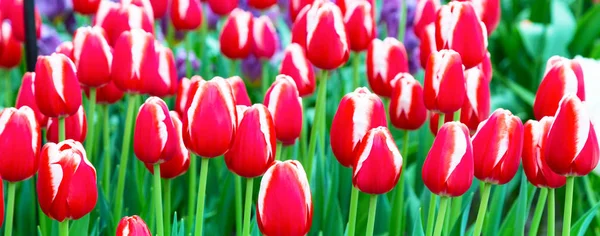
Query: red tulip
57	91
92	56
476	107
240	110
183	98
357	113
285	106
299	28
155	138
427	45
457	27
75	127
265	40
360	24
448	168
164	81
444	85
488	11
134	60
17	20
497	147
107	17
159	8
212	111
253	149
347	5
572	146
434	119
297	6
239	91
261	4
132	226
425	14
284	205
111	17
236	37
146	6
86	7
407	109
26	97
534	160
377	163
326	39
10	47
385	59
562	76
186	14
180	162
108	93
222	7
66	48
296	65
20	143
66	184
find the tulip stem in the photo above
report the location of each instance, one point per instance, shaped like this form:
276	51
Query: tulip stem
319	114
441	121
188	54
353	209
402	21
107	150
160	227
551	212
63	228
397	219
539	210
192	185
430	215
355	67
10	208
568	206
278	151
167	201
248	206
372	211
61	129
439	224
201	196
8	85
238	205
265	81
482	209
89	144
124	156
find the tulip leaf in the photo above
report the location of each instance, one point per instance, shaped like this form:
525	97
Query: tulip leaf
581	225
465	216
540	11
587	32
80	226
514	222
492	221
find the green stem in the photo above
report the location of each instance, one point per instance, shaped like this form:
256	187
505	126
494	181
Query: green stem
371	219
482	209
167	194
188	54
124	156
158	201
234	66
10	208
455	210
397	219
89	144
278	151
402	21
192	185
63	228
430	215
441	121
439	224
248	206
568	206
107	149
61	129
355	68
238	205
353	209
201	49
201	196
8	87
539	210
319	114
265	81
551	213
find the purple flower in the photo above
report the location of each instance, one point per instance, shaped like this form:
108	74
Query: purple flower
181	62
53	8
252	68
48	41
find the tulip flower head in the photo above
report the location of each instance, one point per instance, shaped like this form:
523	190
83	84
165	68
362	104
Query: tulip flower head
534	160
86	7
20	142
444	85
75	127
407	109
222	7
159	8
186	14
489	11
107	94
476	107
92	56
285	106
183	99
155	139
17	20
26	97
134	60
57	91
297	6
326	40
360	24
296	65
164	81
265	40
180	160
261	4
10	47
385	59
236	38
132	226
239	91
427	45
425	14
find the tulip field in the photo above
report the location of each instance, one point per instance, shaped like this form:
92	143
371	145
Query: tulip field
299	117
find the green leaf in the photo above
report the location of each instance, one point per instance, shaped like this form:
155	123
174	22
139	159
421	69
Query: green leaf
581	225
492	221
514	222
540	11
465	216
80	226
587	32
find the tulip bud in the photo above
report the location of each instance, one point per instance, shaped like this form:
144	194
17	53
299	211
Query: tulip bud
265	38
186	14
457	27
360	25
425	14
239	91
357	113
26	97
20	135
92	56
534	160
132	226
86	7
154	137
434	119
10	47
562	76
427	45
66	48
444	85
222	7
56	85
284	184
159	8
212	111
448	168
164	81
285	106
407	110
476	107
497	147
377	163
17	20
134	60
261	4
66	183
108	93
180	161
236	37
385	59
75	127
296	65
571	147
253	149
297	6
326	39
488	11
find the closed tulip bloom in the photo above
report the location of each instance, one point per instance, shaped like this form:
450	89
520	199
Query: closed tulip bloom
236	36
10	47
159	8
134	60
427	45
212	111
488	11
571	147
180	161
425	14
326	40
75	127
296	65
26	97
476	107
182	98
434	119
66	48
154	137
285	106
265	38
284	205
66	183
132	226
378	163
92	56
534	160
448	167
261	4
57	91
186	14
360	25
107	17
108	94
407	110
17	19
86	7
444	85
385	59
297	6
357	113
346	5
20	142
497	147
222	7
117	18
562	76
164	81
239	91
254	146
300	28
